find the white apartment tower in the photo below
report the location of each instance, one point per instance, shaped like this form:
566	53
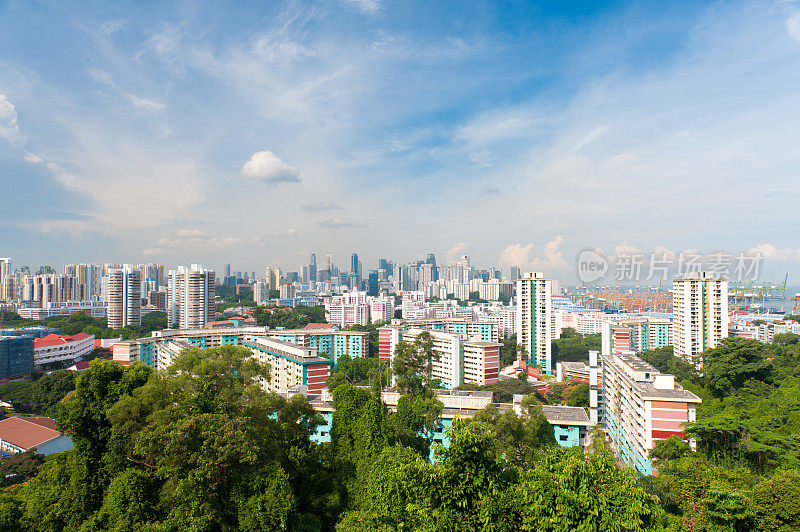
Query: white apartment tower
124	287
700	313
273	278
535	323
191	294
6	280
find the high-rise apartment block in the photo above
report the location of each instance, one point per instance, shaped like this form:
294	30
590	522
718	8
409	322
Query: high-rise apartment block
457	359
700	313
6	280
535	323
639	406
636	334
191	296
124	286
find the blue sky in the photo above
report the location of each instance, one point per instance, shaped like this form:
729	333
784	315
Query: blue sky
518	132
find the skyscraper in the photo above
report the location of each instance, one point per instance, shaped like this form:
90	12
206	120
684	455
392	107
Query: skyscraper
273	278
700	313
354	264
228	269
6	279
312	268
191	296
535	318
124	297
513	273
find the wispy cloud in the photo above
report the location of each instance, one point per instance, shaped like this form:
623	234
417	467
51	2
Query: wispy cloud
317	206
342	223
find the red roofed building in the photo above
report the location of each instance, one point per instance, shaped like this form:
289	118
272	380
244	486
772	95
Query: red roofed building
61	348
20	434
321	326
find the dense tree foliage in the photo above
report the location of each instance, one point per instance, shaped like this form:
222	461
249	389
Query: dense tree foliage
745	472
470	487
664	360
574	347
82	322
295	318
40	396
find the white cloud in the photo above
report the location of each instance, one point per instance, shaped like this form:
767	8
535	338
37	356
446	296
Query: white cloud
287	233
112	26
9	129
268	167
490	191
33	158
770	252
522	256
147	252
793	26
316	206
367	6
145	104
190	232
455	252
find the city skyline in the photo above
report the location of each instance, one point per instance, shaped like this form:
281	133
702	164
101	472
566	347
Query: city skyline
255	135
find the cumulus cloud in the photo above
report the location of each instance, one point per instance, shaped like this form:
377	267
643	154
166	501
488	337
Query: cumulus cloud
190	232
9	129
269	168
316	206
455	253
336	223
522	256
768	251
152	252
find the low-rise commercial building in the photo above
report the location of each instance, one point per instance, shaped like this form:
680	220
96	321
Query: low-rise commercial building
21	434
61	348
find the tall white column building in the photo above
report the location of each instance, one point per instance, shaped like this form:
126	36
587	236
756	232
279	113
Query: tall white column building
191	296
535	323
124	287
6	280
700	313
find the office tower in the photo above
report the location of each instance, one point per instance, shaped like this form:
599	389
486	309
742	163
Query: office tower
191	296
373	283
329	263
273	278
124	286
6	279
228	269
535	318
312	268
513	274
700	313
